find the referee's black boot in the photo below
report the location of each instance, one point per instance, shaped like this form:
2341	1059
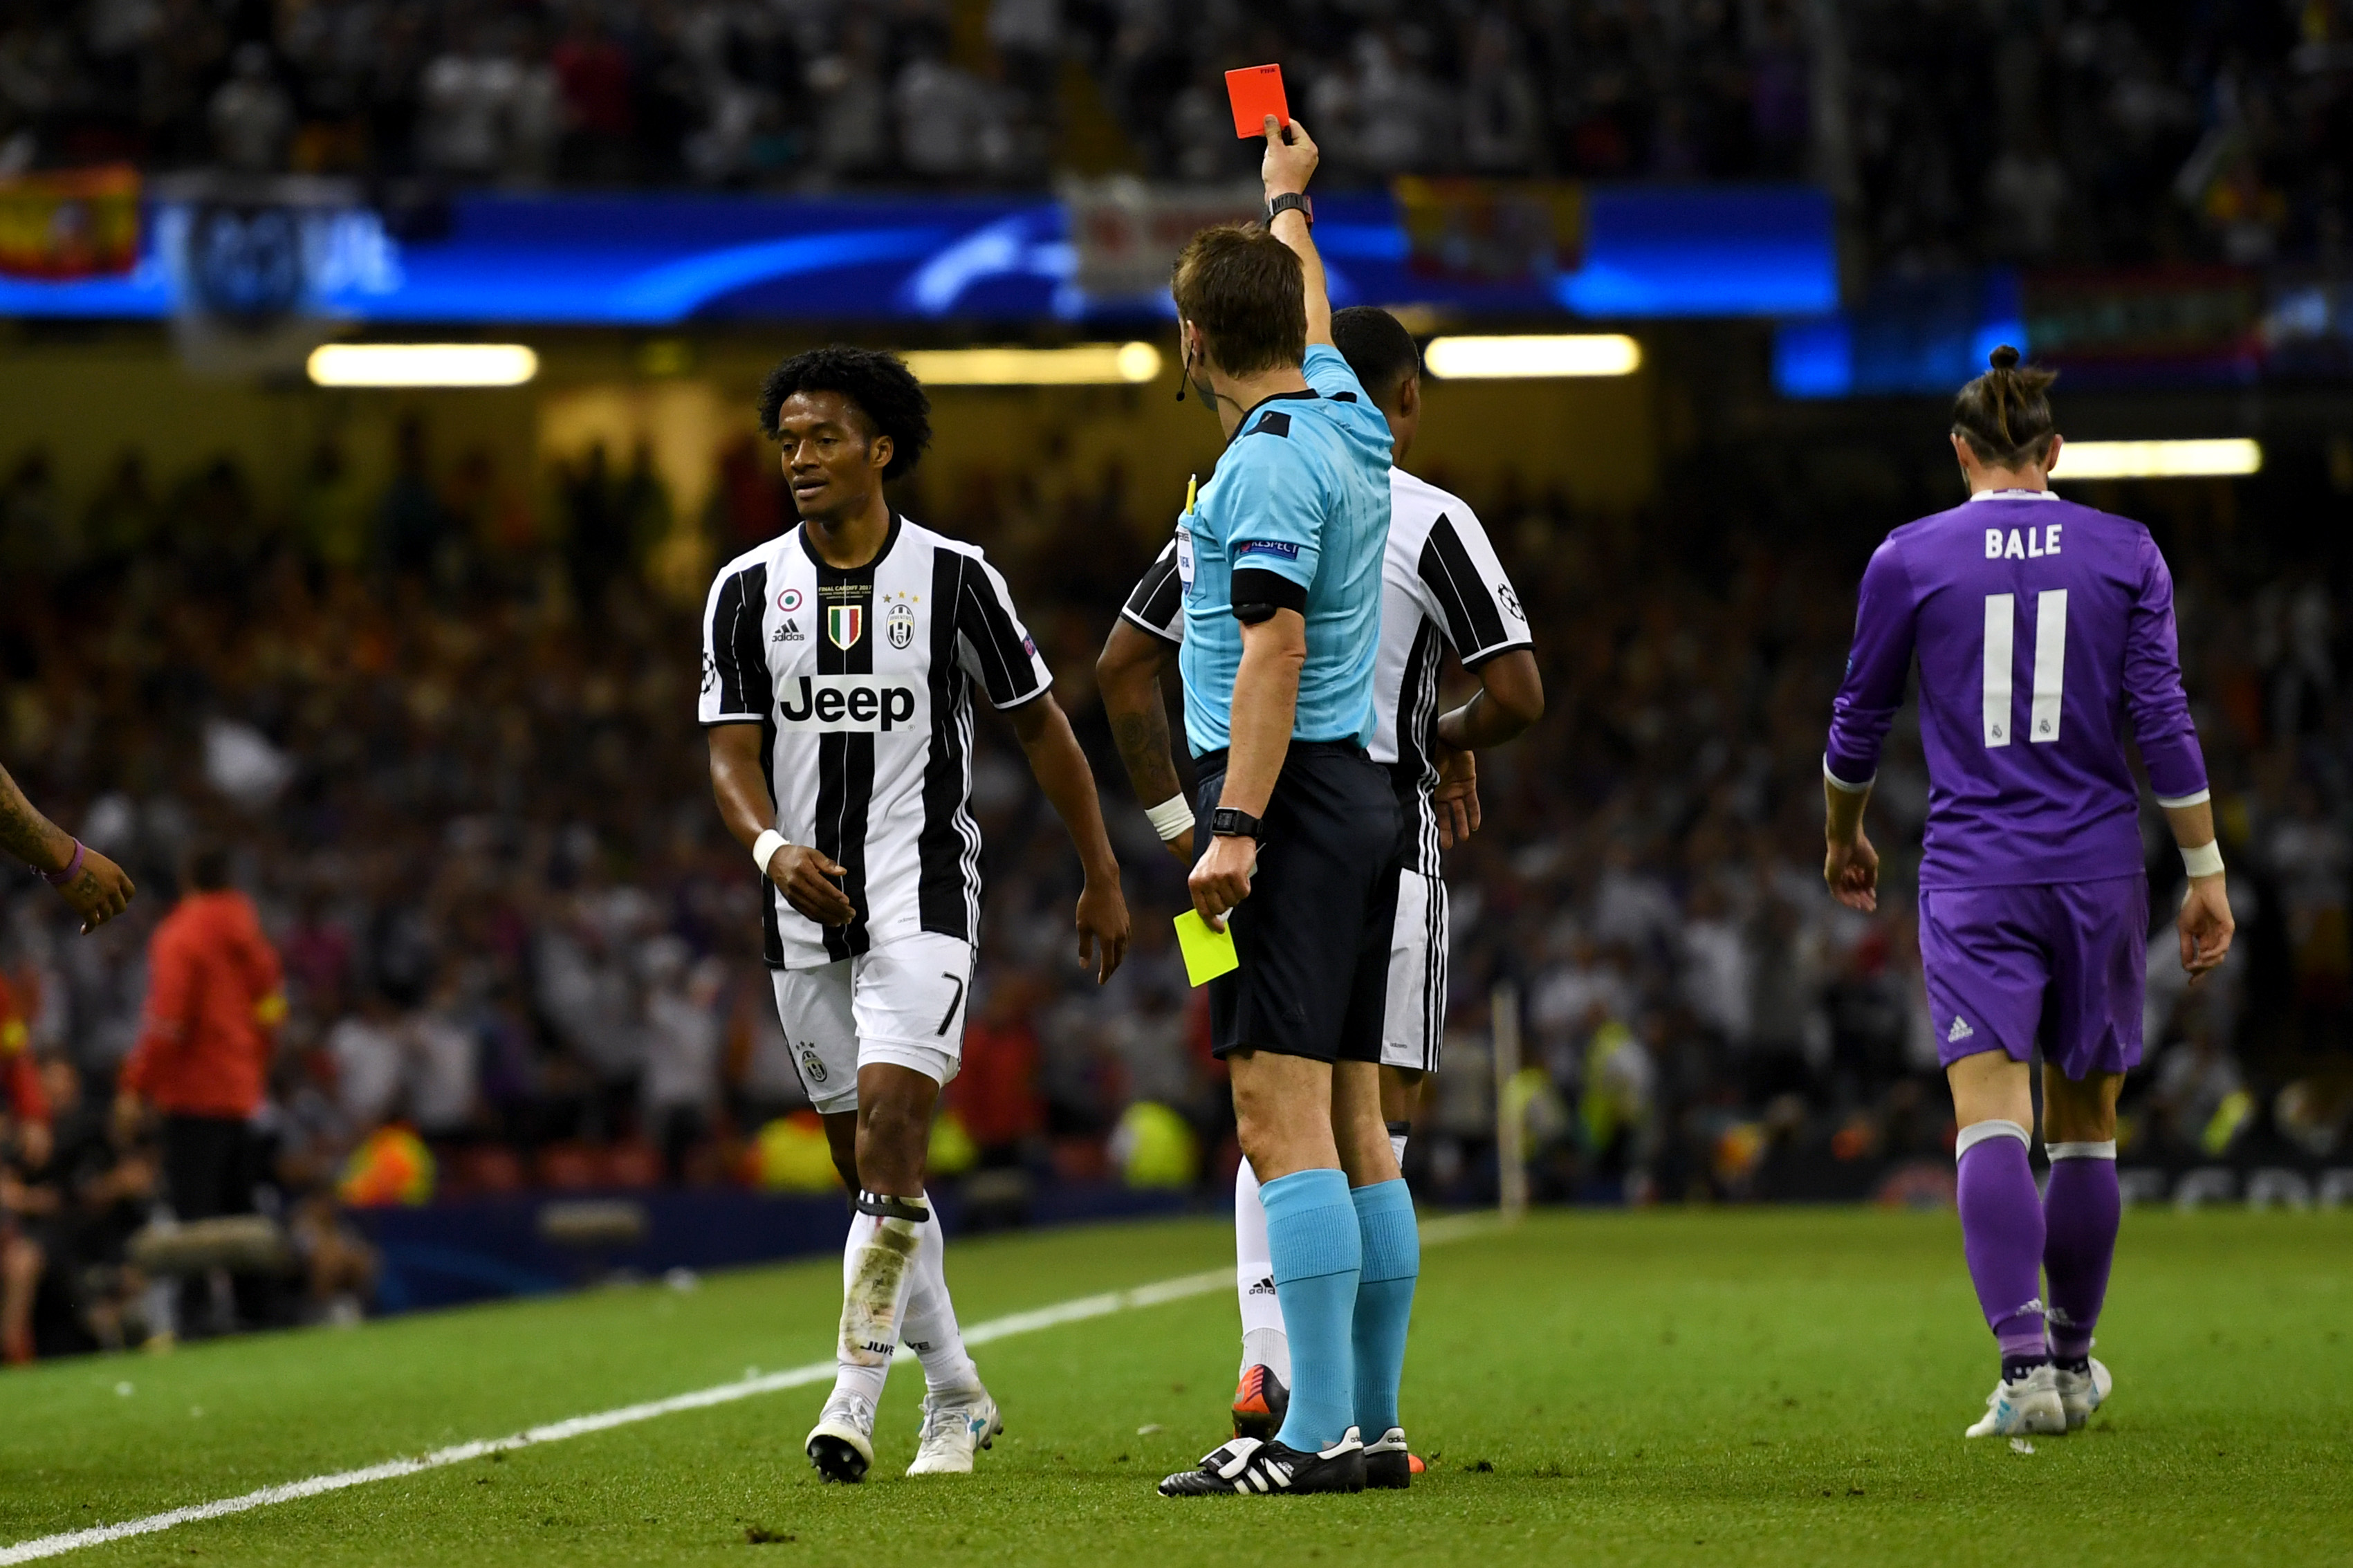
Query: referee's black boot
1388	1464
1248	1468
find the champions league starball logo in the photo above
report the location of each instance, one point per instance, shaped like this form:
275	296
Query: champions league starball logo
245	264
263	268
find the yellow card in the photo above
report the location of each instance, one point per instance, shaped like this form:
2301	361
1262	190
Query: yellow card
1208	953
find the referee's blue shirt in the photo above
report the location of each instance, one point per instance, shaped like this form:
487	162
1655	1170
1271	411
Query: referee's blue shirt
1302	491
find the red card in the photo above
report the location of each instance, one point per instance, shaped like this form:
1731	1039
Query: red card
1256	91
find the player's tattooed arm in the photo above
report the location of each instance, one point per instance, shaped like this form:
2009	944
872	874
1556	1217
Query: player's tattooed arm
1128	675
740	788
27	835
1062	771
98	892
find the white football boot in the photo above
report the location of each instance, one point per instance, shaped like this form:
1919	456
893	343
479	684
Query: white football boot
2082	1393
2023	1407
956	1425
842	1444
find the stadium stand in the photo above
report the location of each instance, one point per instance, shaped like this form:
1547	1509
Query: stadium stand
2082	132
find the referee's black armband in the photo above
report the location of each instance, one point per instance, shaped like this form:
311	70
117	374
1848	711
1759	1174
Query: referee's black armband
1259	593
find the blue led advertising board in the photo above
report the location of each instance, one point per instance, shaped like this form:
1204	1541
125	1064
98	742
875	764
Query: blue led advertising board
655	261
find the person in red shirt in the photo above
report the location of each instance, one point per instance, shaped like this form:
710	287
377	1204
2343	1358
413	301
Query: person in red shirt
97	889
25	1146
996	1094
592	72
20	1077
202	1060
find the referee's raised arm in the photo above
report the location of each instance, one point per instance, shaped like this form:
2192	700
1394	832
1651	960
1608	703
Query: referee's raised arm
1289	163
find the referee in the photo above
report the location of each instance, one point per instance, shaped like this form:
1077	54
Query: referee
1280	563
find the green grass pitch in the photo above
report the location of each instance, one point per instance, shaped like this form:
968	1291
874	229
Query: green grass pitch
1749	1387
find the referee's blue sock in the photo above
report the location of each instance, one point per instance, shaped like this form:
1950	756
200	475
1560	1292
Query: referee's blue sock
1312	1234
1392	1245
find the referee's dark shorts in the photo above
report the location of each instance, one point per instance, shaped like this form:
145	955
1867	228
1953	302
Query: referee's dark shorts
1313	937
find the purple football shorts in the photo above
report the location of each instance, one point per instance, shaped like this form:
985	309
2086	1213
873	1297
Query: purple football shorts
2061	963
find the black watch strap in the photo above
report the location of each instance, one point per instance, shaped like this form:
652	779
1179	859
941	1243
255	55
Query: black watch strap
1232	822
1291	201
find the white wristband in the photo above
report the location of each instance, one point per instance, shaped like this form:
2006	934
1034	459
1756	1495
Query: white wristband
1172	818
764	848
2206	860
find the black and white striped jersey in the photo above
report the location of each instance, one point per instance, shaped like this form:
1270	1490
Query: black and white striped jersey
861	682
1440	585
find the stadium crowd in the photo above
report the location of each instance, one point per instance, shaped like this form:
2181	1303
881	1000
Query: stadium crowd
447	732
2067	130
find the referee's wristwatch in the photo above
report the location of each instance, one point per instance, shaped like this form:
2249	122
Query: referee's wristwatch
1291	201
1232	822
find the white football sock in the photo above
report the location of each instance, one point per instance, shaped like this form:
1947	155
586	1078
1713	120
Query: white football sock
1397	1146
930	1326
877	1271
1264	1343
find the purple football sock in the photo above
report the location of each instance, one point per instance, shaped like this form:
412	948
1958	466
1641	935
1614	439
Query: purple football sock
2081	1210
2002	1233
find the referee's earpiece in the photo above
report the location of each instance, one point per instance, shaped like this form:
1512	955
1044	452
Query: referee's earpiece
1184	370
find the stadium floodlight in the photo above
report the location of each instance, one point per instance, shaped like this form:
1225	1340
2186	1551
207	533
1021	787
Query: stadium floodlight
422	365
1530	357
1076	364
2158	460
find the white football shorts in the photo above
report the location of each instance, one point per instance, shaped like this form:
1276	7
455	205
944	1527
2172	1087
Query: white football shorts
1415	1018
902	1004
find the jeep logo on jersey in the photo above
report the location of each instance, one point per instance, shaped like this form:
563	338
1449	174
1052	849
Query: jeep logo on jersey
845	623
899	625
845	702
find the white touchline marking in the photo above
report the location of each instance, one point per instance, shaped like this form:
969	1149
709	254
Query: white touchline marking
1436	1233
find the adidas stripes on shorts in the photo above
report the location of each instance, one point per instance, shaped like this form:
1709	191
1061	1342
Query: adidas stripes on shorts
1414	1020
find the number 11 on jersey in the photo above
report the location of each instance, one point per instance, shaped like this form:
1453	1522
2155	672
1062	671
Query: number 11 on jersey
2049	690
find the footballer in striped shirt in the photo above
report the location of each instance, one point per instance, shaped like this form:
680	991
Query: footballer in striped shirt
840	664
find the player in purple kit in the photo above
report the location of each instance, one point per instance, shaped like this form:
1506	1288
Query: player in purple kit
2041	626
